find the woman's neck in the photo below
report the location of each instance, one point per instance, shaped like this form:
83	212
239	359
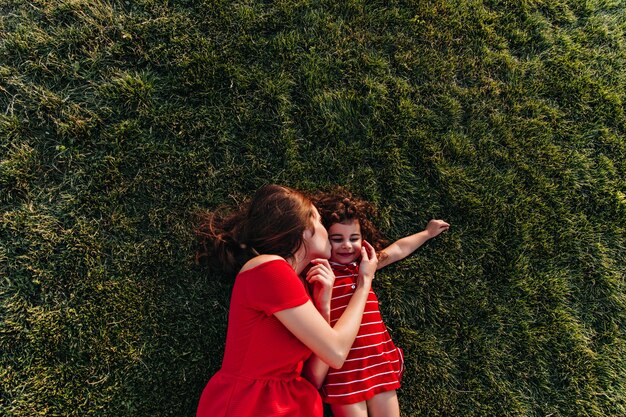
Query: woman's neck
299	260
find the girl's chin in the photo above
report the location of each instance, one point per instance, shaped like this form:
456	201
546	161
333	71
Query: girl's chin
343	259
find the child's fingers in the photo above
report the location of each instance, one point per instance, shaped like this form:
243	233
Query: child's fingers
312	279
321	261
437	226
314	270
319	268
315	278
320	273
439	222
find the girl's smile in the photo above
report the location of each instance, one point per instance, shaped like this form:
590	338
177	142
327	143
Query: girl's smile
345	241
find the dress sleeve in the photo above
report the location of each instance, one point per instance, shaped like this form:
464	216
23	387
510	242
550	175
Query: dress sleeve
274	287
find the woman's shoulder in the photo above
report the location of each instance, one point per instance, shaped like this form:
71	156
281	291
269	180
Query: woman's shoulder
261	260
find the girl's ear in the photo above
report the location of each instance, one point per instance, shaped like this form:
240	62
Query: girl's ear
307	234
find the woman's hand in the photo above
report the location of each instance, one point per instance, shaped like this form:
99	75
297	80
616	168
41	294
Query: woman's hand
368	265
322	278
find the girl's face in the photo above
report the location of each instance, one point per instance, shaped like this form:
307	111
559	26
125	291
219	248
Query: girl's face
316	240
345	241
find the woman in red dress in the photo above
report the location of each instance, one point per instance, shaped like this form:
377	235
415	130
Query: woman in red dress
279	343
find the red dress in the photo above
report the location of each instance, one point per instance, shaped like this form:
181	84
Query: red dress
260	374
374	364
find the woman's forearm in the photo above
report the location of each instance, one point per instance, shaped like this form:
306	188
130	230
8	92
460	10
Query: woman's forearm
332	344
347	327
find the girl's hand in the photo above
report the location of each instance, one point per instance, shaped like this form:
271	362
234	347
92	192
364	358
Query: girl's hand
322	278
368	265
436	227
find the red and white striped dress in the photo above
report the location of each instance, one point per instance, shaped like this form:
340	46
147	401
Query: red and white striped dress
374	364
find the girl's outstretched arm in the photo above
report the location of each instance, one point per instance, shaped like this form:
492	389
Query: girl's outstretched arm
402	248
332	344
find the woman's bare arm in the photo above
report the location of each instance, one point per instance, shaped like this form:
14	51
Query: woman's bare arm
332	344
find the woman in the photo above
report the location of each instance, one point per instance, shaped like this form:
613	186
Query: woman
276	332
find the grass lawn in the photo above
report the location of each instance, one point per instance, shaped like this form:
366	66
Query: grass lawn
120	120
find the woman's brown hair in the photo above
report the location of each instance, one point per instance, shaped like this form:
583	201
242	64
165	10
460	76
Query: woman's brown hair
340	206
272	222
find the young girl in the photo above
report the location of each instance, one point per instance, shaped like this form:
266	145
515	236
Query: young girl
276	332
366	384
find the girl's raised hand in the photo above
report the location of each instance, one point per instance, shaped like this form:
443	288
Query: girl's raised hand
322	278
436	227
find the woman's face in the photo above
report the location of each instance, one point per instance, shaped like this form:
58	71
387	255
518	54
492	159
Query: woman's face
316	239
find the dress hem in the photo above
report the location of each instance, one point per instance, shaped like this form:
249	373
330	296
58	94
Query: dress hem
357	398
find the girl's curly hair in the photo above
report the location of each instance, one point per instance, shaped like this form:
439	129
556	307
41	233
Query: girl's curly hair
341	206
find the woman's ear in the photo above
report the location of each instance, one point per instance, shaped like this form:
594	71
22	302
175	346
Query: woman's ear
307	234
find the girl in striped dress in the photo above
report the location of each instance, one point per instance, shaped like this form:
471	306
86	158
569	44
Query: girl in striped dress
366	384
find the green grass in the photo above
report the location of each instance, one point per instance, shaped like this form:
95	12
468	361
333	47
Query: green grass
119	120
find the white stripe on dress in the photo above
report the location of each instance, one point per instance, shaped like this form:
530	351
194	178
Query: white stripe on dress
365	347
340	307
346	276
357	392
364	313
367	367
341	296
370	356
371	334
361	380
